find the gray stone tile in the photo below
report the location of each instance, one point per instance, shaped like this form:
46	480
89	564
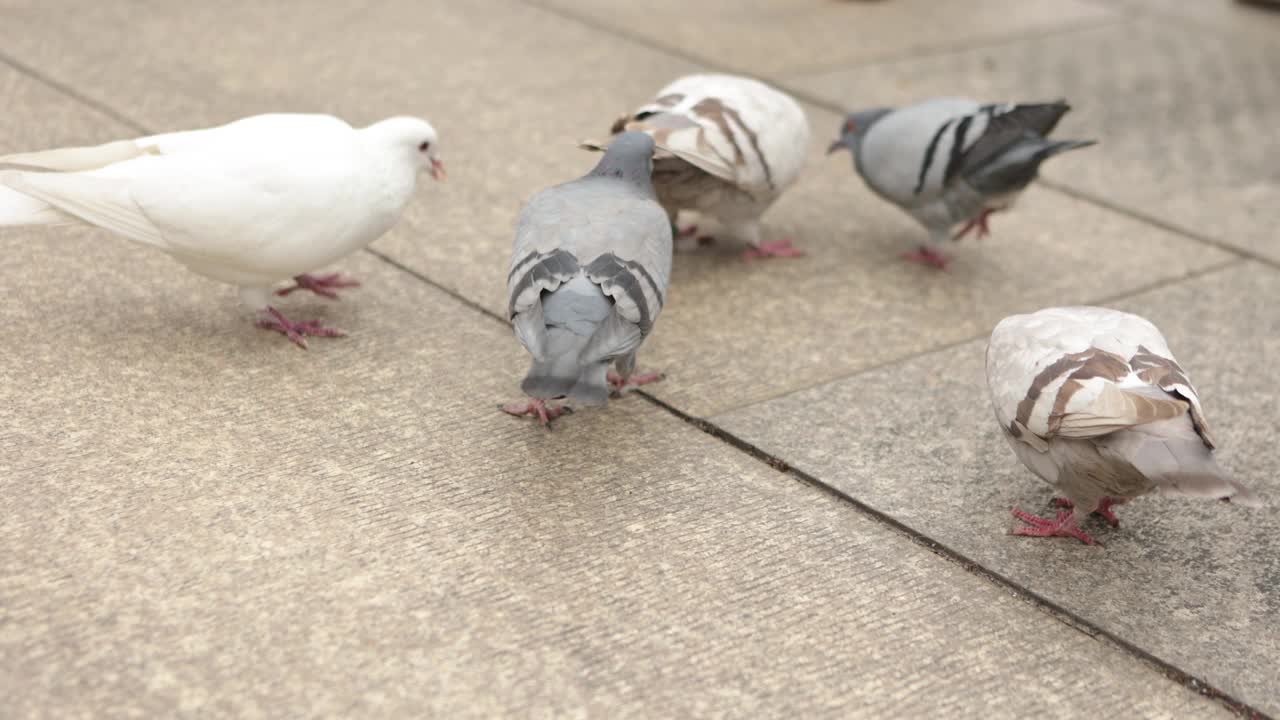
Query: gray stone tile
1234	16
510	99
202	520
774	36
207	521
1186	115
1195	584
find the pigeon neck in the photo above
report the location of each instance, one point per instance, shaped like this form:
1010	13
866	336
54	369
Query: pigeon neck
855	149
633	173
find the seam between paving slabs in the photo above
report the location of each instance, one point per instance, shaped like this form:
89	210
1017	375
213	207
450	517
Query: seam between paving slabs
1168	669
1101	202
908	357
1052	609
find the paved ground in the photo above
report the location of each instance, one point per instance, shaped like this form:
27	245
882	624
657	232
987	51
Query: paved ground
202	520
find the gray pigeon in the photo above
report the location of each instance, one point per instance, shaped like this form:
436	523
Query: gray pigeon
588	278
952	161
1092	401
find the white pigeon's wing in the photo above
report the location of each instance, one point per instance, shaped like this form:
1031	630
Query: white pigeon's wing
19	209
1084	372
270	130
217	192
241	207
97	201
225	205
74	159
735	128
599	226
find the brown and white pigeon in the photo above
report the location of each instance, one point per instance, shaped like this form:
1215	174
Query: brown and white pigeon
588	278
1092	401
250	203
952	161
728	146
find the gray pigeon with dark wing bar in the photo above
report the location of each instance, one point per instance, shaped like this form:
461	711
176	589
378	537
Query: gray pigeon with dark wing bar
952	161
588	278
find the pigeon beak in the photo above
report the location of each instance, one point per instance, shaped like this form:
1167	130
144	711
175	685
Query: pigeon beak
837	145
437	170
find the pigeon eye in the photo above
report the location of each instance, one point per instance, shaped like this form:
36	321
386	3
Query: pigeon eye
851	126
424	146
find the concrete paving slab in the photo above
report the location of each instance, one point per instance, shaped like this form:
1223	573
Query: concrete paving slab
1185	115
1235	16
208	522
202	520
1192	583
510	101
205	521
775	36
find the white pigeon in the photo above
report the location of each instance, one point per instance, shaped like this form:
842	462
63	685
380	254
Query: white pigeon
1092	401
250	203
952	161
588	277
728	147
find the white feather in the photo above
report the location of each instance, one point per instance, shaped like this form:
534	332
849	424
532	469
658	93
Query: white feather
250	203
749	136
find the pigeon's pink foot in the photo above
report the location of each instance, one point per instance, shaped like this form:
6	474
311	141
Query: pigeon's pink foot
979	222
777	249
926	256
1063	526
537	407
1104	508
688	238
322	285
617	384
296	331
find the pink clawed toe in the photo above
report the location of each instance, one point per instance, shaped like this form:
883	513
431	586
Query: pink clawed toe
296	331
777	249
1063	526
322	285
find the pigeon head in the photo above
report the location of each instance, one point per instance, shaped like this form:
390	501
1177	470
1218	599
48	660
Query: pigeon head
416	138
855	125
629	156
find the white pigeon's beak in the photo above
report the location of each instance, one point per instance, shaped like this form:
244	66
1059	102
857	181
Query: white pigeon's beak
437	170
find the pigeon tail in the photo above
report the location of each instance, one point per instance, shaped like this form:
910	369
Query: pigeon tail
17	209
1061	146
564	375
1017	167
567	366
1175	458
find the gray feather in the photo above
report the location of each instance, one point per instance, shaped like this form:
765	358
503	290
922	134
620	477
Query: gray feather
1008	128
1018	164
589	273
1173	456
572	315
946	160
